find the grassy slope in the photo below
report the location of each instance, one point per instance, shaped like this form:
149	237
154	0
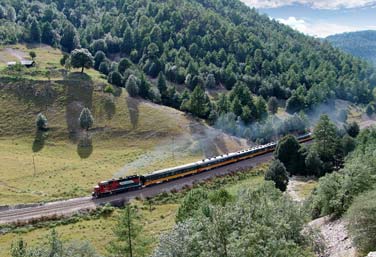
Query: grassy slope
130	135
160	220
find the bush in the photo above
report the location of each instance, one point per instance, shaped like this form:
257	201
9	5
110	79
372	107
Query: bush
277	173
41	122
362	222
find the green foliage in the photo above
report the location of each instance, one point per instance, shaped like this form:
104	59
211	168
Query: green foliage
313	163
224	44
53	247
35	32
41	122
81	58
360	43
278	174
69	39
199	103
32	54
327	143
192	204
99	57
132	86
336	191
273	105
115	78
86	119
109	89
128	241
123	65
288	152
353	129
362	222
259	222
347	144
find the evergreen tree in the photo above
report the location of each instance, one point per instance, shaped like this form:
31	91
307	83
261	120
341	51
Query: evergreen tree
41	122
132	86
273	105
210	81
144	88
123	65
104	67
128	41
277	173
313	164
246	115
236	107
198	103
99	57
128	241
353	129
86	119
326	141
162	86
35	32
115	78
288	152
47	34
69	39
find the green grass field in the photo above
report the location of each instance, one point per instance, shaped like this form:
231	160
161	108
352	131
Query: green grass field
155	222
129	135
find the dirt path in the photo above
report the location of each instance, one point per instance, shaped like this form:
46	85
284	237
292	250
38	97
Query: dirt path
335	236
300	187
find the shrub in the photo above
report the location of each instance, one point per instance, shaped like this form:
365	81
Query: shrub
277	173
362	221
41	122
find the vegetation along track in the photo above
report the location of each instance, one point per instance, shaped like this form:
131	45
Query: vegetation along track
69	207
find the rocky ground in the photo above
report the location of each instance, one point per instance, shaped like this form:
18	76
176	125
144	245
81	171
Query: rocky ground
332	233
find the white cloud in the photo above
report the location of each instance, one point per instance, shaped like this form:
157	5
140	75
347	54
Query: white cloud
319	28
318	4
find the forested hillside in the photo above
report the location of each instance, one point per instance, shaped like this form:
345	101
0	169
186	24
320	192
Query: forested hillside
201	44
361	43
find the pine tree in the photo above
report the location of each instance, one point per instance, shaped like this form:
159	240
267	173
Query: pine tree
198	105
128	41
128	242
41	122
86	119
277	173
69	39
144	88
35	32
132	86
273	105
47	34
326	139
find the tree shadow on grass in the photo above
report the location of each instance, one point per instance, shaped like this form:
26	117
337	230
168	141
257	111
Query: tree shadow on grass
39	140
109	107
132	105
78	96
85	146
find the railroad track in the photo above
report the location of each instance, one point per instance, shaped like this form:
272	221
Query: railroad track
72	206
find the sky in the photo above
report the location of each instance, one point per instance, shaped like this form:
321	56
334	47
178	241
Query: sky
320	18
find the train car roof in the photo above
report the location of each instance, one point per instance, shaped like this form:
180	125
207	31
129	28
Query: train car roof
208	160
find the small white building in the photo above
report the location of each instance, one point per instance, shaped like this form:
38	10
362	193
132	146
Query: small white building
26	63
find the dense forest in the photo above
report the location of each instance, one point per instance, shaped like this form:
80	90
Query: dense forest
192	47
361	44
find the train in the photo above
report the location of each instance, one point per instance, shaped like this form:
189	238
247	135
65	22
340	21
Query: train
134	182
